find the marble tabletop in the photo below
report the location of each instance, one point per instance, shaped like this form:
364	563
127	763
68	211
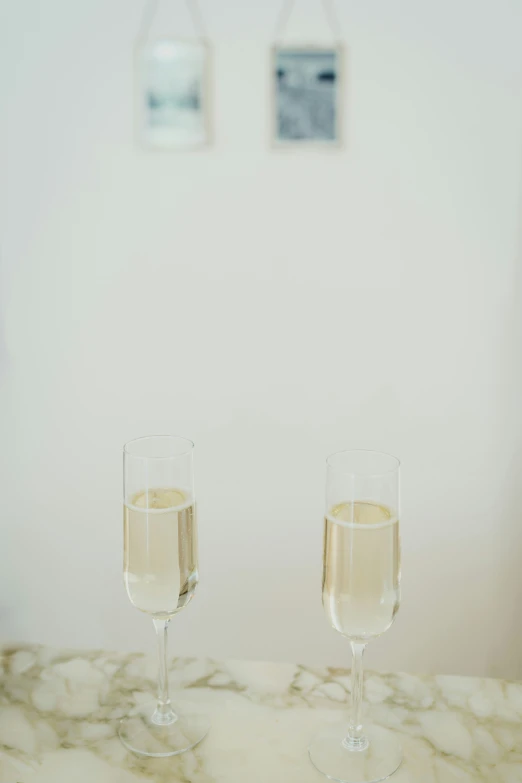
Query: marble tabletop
60	709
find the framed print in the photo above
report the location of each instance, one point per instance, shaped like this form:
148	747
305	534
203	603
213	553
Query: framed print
172	100
307	103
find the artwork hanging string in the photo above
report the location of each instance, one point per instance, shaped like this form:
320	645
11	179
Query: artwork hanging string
151	9
330	14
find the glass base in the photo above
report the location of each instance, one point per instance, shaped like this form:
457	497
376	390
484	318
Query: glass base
140	734
374	760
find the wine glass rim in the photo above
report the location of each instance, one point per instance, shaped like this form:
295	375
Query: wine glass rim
341	469
189	446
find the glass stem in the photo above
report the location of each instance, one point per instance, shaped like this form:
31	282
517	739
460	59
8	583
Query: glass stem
356	740
163	715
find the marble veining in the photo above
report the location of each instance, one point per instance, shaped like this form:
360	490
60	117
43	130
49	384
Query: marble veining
60	709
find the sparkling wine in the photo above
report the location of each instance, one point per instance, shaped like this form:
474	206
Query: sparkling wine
361	571
160	551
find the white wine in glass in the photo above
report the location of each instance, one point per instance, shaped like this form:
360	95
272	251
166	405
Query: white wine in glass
361	569
361	596
160	550
160	569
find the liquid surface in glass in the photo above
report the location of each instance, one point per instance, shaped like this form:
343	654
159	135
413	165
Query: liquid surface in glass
160	551
361	569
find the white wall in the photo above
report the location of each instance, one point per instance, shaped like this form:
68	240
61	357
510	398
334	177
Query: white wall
273	307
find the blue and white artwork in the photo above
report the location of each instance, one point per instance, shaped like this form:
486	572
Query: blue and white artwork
172	94
307	103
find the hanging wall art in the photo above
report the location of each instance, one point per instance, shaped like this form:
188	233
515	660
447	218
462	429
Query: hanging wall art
172	86
308	90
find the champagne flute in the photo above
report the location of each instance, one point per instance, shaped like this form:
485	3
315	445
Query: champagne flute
361	594
161	575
